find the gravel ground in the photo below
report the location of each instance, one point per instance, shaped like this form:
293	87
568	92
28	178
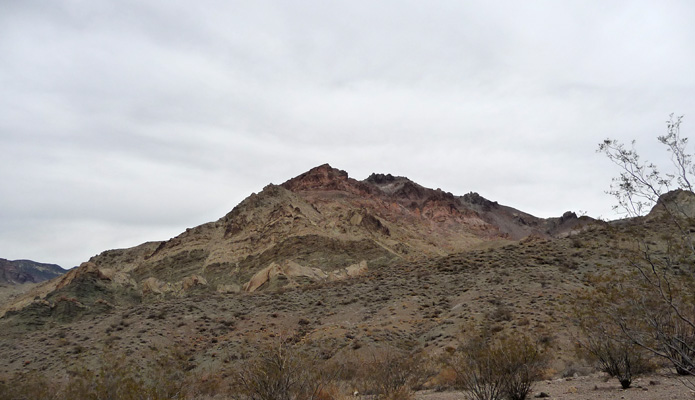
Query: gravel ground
596	387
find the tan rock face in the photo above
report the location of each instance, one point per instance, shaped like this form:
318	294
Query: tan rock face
290	270
349	272
86	268
677	203
90	279
153	285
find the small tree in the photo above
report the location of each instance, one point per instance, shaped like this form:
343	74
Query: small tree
663	266
640	184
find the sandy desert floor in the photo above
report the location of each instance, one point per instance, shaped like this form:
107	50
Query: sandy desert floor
596	387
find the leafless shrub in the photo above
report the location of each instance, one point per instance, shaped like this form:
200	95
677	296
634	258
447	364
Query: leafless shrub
498	368
393	375
282	372
603	341
617	358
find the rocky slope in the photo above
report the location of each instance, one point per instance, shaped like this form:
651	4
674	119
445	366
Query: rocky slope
319	226
425	304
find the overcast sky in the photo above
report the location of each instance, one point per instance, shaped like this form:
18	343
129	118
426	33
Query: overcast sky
128	121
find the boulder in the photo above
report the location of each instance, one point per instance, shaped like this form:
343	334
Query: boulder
153	285
191	281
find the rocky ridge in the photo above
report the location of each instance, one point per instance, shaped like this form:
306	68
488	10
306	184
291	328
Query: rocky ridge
319	226
18	272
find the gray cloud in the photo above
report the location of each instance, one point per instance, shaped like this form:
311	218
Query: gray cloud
128	121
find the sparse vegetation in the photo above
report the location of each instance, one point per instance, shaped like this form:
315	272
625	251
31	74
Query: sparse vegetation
281	372
654	306
495	368
115	377
392	375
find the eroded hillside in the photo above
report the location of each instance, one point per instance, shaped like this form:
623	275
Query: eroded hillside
318	227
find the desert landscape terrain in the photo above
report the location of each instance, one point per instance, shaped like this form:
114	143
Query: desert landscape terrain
343	270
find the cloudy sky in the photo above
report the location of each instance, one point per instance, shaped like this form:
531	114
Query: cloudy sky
127	121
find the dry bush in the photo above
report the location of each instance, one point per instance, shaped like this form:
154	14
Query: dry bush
659	314
498	368
119	378
282	372
607	315
445	378
29	386
207	385
393	375
115	377
617	358
328	392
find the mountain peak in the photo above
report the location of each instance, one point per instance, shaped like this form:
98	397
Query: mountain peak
325	177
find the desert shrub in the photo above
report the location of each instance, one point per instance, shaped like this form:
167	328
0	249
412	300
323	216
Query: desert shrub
490	368
679	346
111	376
282	372
119	378
604	342
619	359
28	386
393	375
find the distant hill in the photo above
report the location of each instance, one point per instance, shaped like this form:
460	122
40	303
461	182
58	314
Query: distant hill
18	272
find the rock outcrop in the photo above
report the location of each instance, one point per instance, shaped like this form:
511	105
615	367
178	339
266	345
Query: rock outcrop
677	203
292	272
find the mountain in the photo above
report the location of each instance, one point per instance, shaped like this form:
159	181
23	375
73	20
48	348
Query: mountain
338	266
320	226
18	272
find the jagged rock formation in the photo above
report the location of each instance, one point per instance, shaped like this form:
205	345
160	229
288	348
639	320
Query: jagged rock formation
319	226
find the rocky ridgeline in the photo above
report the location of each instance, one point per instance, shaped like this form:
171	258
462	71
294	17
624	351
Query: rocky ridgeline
319	226
18	272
